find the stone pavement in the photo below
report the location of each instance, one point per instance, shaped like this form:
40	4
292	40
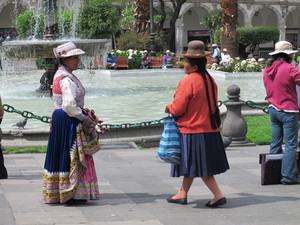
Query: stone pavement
134	185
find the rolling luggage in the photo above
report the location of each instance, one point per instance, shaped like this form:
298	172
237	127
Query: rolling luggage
271	167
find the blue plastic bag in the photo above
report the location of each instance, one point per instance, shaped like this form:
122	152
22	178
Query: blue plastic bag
169	145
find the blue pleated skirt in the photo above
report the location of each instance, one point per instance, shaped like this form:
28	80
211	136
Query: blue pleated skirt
202	154
61	140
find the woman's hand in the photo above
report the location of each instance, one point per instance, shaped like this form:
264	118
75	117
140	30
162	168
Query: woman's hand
88	125
167	109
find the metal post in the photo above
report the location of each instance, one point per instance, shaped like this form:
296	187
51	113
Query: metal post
152	37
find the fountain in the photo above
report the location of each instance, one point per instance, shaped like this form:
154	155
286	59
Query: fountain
44	48
127	96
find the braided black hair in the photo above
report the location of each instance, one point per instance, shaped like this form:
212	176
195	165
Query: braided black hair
201	69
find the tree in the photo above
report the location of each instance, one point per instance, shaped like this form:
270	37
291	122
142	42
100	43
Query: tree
169	33
98	19
229	33
142	16
251	37
212	21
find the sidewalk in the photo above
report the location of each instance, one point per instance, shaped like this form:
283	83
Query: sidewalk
134	185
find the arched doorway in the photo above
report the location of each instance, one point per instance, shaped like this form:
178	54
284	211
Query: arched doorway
293	27
8	19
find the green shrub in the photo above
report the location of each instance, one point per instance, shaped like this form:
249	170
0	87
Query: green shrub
29	24
133	40
98	19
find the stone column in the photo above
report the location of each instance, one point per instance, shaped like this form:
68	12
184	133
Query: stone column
234	124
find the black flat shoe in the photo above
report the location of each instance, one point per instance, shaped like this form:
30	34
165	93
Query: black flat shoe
221	201
181	201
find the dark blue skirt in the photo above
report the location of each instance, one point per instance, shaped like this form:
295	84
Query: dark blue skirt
202	154
62	138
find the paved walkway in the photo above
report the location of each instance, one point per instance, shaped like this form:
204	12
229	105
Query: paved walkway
134	185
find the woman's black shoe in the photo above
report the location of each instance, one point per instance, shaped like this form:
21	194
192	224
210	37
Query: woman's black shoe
181	201
221	201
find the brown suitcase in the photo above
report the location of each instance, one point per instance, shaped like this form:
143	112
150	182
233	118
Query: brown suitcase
271	168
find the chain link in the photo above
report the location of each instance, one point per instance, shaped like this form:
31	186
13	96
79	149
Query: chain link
47	119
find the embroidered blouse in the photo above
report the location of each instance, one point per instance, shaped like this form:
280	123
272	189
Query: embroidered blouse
68	93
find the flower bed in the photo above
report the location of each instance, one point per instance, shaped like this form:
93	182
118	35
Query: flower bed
249	65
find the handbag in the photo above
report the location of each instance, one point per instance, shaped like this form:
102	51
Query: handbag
169	145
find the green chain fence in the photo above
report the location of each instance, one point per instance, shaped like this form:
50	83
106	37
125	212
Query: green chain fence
47	119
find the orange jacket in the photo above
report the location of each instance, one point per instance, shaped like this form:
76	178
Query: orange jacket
190	105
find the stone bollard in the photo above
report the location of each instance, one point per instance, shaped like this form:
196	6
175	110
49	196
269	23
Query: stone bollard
234	124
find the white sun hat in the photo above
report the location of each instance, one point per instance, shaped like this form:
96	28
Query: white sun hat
283	47
66	50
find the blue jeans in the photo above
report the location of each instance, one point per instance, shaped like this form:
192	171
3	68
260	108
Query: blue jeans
284	126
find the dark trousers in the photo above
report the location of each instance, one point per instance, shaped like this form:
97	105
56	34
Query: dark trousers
3	171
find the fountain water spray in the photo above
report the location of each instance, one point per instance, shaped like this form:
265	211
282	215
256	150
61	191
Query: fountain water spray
32	49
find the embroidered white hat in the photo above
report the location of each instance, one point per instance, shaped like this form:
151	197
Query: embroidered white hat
283	47
66	50
168	51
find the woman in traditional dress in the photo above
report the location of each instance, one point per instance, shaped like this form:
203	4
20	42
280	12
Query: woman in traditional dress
195	106
70	175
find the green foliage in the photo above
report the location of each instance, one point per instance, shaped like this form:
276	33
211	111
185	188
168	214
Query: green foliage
249	65
251	37
65	20
133	40
135	61
40	63
258	35
212	20
259	129
98	19
28	24
127	20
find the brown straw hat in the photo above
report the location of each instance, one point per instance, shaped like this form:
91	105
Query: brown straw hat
196	49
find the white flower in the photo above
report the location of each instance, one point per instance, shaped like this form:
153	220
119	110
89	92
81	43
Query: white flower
253	60
261	60
244	62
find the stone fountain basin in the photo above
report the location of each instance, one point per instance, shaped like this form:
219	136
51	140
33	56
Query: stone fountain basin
44	49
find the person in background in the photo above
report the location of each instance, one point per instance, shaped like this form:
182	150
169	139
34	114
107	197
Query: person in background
167	59
69	170
3	171
146	60
216	54
280	80
195	107
111	62
225	57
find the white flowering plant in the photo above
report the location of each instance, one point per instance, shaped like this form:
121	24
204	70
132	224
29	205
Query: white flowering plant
248	65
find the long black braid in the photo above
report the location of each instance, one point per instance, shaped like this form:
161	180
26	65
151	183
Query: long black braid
201	68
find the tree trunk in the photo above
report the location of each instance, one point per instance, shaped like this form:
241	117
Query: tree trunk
142	16
229	33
